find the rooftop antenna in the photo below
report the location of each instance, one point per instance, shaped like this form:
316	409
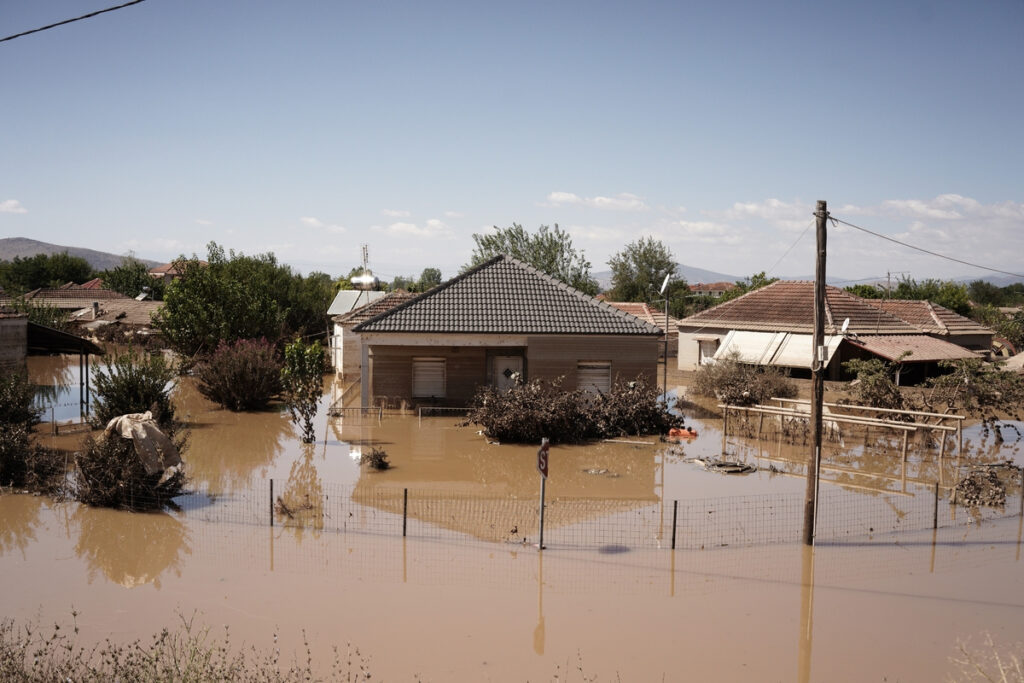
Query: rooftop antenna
366	280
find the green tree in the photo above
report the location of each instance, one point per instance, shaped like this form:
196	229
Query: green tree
241	297
640	268
302	379
985	293
132	278
865	291
947	293
549	250
755	281
43	270
429	278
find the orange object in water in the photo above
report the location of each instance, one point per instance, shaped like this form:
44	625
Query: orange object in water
684	433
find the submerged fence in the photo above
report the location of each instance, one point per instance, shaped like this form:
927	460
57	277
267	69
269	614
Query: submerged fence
609	525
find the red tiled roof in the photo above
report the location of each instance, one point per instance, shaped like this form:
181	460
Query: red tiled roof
375	307
922	347
930	317
788	306
645	313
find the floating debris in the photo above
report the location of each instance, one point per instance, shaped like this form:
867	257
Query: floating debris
982	487
724	466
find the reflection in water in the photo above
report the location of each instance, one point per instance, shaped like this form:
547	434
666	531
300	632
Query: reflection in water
131	549
806	613
302	503
20	517
57	383
538	632
226	448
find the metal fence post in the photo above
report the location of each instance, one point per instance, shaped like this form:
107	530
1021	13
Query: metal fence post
675	513
405	509
1022	491
271	502
935	509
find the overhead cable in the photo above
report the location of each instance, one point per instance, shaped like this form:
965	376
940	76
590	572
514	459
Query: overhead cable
925	251
68	21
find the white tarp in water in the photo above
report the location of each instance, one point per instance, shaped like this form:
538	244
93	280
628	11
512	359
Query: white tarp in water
154	449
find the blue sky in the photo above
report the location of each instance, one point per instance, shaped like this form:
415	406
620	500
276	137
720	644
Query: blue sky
309	128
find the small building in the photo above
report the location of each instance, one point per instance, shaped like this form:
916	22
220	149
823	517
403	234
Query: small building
346	345
169	271
774	325
939	322
654	317
495	324
714	289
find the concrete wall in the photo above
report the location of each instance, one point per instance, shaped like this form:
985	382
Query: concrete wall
689	345
13	342
346	351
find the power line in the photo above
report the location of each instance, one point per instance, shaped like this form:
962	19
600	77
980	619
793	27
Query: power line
799	237
68	21
925	251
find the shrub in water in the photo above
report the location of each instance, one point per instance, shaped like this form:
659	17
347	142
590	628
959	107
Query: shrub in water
110	474
377	458
243	375
303	381
741	384
17	405
536	409
133	382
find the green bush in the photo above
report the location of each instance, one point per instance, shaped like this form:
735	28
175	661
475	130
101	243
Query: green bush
536	409
874	385
133	382
243	375
17	401
741	384
377	458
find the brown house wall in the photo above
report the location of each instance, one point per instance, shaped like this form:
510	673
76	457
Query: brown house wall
549	357
391	371
13	342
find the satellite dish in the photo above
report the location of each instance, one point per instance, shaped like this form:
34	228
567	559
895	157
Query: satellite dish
664	284
846	323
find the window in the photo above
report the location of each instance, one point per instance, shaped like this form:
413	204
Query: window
594	376
428	375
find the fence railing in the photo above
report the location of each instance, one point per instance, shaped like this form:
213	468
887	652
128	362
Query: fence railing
610	525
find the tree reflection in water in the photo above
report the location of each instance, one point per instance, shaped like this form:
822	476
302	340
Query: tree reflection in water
130	548
302	503
20	515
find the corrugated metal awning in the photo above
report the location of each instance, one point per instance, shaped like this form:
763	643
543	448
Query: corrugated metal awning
922	348
783	349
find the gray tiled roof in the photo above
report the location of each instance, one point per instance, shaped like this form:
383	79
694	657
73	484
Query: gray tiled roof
506	296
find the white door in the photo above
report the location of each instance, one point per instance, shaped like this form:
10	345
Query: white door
506	369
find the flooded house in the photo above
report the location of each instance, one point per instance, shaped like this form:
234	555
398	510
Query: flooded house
655	317
495	324
346	312
774	325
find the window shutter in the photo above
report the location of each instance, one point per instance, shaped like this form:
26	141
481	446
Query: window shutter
594	376
428	375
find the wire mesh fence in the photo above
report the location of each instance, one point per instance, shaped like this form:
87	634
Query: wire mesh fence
609	525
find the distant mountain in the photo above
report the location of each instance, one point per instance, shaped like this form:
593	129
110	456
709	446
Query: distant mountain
692	274
24	247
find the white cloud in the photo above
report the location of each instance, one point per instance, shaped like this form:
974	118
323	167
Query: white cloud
12	206
313	222
204	222
599	233
434	227
454	214
395	213
624	201
787	215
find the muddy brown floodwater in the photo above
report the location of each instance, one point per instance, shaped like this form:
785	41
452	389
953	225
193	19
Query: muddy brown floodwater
882	607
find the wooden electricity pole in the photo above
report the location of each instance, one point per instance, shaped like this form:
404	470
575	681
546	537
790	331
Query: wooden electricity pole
817	377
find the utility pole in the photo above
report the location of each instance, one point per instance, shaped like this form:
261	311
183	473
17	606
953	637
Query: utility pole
817	377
